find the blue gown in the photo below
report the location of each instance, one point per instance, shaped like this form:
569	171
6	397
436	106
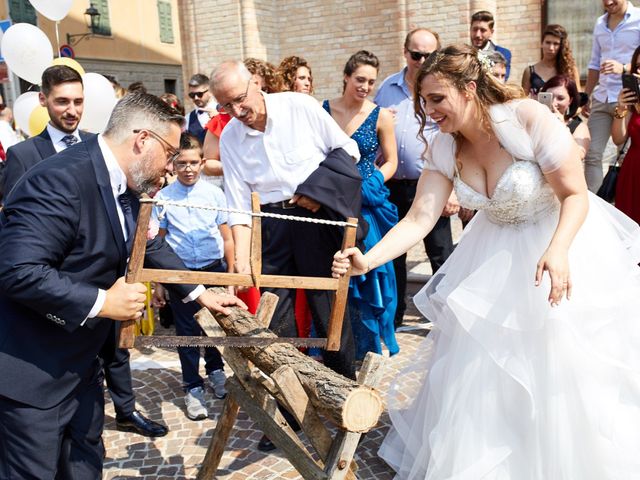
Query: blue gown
373	297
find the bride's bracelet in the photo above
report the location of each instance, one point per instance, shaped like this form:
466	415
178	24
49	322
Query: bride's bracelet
620	112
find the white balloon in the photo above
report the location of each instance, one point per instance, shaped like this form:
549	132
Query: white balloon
23	107
27	51
52	9
99	100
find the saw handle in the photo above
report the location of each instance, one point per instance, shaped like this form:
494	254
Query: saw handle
134	269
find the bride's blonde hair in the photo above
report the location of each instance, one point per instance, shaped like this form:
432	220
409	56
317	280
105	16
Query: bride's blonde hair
460	64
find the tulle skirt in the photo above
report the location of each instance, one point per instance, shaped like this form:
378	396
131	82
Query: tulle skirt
507	387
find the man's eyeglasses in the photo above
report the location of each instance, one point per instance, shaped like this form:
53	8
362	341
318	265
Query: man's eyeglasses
194	95
416	56
236	102
171	152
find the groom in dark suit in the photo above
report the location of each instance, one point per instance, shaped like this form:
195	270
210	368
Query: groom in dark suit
62	94
64	234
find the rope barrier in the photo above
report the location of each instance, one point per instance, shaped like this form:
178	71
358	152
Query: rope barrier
165	203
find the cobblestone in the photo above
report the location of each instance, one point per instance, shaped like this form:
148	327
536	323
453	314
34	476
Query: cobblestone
157	383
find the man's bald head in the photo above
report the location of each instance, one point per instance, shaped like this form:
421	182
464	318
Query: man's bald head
226	73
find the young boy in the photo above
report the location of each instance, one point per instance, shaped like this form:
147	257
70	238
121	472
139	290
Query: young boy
203	241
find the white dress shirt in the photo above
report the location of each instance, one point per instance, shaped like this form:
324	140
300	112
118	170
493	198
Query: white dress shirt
298	136
57	136
118	181
618	45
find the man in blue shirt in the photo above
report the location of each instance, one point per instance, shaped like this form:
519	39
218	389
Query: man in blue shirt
202	240
396	93
615	36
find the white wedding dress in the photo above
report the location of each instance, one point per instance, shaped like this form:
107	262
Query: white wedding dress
506	387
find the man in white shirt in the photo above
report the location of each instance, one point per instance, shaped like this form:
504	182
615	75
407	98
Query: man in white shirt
273	143
616	35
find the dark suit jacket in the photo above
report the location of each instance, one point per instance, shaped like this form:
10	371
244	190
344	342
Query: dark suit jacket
336	184
24	155
507	55
194	128
61	240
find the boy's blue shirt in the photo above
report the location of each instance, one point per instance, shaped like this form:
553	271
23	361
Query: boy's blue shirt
193	233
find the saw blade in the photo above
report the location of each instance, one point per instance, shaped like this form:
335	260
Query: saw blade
168	341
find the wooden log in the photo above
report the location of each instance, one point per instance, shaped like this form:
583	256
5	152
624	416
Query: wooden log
127	334
349	405
297	402
334	330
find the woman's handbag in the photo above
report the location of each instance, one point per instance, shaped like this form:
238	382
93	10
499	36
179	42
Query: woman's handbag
607	190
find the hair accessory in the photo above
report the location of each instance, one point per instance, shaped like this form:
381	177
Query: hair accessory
485	62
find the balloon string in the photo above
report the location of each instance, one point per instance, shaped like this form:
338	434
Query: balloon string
58	37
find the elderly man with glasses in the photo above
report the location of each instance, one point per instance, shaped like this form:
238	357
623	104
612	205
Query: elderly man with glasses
396	94
205	105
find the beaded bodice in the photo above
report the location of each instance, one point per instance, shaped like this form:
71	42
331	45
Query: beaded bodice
522	195
367	139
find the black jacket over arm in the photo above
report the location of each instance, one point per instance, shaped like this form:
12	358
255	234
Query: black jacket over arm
61	240
336	184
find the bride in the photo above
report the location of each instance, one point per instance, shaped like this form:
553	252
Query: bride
532	369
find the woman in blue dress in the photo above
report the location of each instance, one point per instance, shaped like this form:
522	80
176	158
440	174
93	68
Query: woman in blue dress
372	297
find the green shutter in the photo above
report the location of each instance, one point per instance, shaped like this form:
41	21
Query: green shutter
104	25
21	11
166	22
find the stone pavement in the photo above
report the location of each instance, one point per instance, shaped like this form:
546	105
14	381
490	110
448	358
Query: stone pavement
157	383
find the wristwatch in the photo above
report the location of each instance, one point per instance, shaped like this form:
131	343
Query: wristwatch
624	69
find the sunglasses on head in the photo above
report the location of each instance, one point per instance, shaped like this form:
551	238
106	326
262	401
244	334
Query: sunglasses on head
416	56
193	95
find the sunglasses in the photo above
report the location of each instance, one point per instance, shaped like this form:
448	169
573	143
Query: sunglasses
416	56
194	95
170	151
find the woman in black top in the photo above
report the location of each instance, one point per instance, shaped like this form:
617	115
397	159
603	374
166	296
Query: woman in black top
557	59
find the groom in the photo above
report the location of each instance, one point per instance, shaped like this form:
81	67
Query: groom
64	235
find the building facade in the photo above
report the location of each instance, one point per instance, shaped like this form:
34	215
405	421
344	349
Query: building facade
135	40
326	33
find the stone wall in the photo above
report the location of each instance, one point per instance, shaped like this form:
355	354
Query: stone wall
152	75
327	33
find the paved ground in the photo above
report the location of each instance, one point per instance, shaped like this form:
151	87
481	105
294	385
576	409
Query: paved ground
156	377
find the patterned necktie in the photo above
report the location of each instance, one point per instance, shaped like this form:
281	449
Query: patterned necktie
129	222
69	140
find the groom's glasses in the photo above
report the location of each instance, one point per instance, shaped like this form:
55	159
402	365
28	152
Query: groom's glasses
416	56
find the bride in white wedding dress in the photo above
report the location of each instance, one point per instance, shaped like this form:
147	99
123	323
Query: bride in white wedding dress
532	369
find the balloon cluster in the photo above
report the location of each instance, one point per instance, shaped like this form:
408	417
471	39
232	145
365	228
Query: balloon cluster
28	52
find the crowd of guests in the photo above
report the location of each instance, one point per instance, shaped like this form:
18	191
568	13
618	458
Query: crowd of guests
276	147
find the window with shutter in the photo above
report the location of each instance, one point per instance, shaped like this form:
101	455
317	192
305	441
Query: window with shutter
166	21
104	25
21	11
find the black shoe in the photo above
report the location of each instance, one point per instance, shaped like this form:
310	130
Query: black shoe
266	445
138	423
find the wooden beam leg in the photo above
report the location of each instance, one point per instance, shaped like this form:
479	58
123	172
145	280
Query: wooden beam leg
334	330
276	428
219	440
255	255
295	399
345	444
